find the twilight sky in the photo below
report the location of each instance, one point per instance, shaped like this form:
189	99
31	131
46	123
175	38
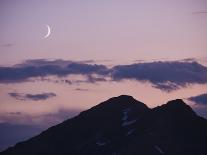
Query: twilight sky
110	29
154	50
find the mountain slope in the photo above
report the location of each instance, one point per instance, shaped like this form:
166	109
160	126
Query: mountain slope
124	126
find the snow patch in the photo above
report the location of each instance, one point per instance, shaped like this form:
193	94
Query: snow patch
125	112
159	149
125	118
130	132
128	123
100	143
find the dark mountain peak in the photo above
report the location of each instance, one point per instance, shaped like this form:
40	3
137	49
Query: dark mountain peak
120	103
177	107
115	107
122	99
177	102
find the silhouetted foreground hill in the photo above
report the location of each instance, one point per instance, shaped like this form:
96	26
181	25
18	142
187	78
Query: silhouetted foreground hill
123	126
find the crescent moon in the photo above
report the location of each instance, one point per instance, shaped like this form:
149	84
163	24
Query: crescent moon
48	31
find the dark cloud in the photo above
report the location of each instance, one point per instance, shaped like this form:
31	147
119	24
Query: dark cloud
67	81
34	97
200	12
167	86
188	60
78	68
58	62
15	113
93	79
81	89
44	62
7	45
200	99
165	75
42	68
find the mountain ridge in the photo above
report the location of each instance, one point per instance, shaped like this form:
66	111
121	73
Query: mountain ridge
123	125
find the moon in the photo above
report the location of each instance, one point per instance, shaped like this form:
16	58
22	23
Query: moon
48	31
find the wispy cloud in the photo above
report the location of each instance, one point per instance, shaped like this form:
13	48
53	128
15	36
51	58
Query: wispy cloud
22	126
200	99
81	89
200	12
12	133
34	97
7	45
41	120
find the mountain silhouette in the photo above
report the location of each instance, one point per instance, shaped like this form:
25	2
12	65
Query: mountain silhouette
123	126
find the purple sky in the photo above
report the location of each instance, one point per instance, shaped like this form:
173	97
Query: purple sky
109	33
138	29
